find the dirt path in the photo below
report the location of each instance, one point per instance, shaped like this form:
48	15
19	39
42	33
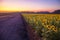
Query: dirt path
12	28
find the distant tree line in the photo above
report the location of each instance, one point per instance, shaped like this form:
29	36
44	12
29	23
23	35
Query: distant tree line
42	12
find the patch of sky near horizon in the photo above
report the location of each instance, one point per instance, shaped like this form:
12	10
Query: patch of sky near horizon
31	4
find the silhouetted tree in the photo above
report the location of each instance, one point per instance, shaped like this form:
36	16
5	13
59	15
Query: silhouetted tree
56	11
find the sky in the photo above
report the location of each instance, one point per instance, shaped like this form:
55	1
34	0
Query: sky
29	5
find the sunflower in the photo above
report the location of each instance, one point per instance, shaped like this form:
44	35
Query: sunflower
55	29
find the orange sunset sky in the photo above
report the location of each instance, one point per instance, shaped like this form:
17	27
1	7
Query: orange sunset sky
29	5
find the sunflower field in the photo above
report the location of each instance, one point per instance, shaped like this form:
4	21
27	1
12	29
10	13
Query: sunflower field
47	26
